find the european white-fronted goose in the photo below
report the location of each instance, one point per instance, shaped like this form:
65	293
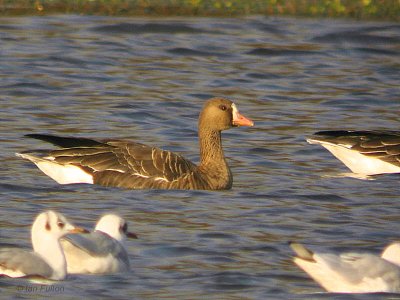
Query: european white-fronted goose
100	251
47	259
352	272
136	166
363	152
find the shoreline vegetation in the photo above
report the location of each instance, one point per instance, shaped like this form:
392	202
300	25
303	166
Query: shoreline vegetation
355	9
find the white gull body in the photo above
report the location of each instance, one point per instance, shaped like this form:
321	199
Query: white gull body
100	251
352	272
47	259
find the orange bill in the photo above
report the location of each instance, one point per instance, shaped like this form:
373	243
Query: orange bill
78	230
238	119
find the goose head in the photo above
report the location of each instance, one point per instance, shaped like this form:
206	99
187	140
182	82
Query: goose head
220	114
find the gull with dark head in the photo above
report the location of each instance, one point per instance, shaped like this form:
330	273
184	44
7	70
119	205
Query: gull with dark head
101	251
47	259
352	272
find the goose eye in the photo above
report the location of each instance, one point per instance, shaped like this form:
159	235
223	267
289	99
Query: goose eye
60	224
222	107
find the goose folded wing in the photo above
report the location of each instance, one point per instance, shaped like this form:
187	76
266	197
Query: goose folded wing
126	158
385	147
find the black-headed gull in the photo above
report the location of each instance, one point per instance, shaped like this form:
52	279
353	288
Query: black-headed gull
100	251
47	259
363	152
352	272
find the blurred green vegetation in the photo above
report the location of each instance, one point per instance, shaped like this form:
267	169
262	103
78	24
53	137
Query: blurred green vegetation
359	9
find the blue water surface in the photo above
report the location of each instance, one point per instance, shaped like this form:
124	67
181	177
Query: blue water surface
146	79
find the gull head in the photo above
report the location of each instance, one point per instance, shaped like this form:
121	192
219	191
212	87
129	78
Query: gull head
114	226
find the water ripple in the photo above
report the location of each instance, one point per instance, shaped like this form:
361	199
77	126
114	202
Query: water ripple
146	80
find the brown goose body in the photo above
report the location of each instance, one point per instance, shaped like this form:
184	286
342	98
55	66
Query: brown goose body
133	165
363	152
